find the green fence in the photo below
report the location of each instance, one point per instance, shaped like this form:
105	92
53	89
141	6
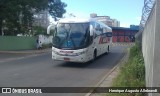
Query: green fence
17	43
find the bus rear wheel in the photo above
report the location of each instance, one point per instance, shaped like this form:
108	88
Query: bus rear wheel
108	50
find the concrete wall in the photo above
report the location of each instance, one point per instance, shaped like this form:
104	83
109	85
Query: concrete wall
151	48
45	39
11	43
17	43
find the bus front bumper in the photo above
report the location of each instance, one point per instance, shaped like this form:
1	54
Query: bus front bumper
79	59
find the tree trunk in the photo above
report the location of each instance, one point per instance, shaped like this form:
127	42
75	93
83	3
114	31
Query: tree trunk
1	26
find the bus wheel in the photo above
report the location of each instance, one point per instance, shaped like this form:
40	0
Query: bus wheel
108	50
94	56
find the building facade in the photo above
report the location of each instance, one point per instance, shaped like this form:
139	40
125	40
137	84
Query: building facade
121	34
106	19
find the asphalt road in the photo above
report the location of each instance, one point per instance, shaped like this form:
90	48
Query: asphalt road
41	71
12	56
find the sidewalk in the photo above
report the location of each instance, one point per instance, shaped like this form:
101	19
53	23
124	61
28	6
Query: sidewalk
106	81
123	43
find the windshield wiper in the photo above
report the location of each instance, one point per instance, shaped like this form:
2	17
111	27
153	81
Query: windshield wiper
73	42
69	37
85	37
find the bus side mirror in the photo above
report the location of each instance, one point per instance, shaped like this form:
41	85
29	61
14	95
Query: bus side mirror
98	27
91	30
49	28
109	34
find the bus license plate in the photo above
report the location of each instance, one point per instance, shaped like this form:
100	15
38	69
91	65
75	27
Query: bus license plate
66	59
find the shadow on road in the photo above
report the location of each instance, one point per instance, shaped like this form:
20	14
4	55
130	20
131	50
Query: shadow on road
104	61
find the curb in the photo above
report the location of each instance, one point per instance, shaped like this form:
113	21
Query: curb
123	44
124	59
28	51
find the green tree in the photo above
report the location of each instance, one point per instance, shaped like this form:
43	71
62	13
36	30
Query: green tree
8	15
39	30
56	8
17	15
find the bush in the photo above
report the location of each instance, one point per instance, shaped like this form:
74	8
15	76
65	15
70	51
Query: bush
132	73
44	46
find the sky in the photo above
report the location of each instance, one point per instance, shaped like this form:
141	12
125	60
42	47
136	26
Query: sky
126	11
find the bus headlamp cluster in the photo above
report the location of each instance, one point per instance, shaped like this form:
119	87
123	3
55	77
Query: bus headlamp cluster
79	53
55	52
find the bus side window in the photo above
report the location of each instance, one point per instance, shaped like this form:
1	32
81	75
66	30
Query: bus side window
101	29
97	27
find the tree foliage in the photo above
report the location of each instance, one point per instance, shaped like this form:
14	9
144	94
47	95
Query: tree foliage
56	8
17	15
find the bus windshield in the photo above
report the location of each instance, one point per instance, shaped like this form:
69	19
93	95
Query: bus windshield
71	35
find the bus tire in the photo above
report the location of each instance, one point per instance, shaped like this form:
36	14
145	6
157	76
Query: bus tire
94	56
108	49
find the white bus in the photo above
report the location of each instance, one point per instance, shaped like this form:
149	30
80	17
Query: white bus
80	40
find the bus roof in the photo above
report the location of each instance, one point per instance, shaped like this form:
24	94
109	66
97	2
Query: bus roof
81	20
74	20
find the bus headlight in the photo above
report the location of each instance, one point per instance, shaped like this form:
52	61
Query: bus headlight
55	52
80	53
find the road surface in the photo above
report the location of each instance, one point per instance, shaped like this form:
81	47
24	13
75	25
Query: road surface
41	71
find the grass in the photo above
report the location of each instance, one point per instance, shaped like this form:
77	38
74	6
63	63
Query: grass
132	73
